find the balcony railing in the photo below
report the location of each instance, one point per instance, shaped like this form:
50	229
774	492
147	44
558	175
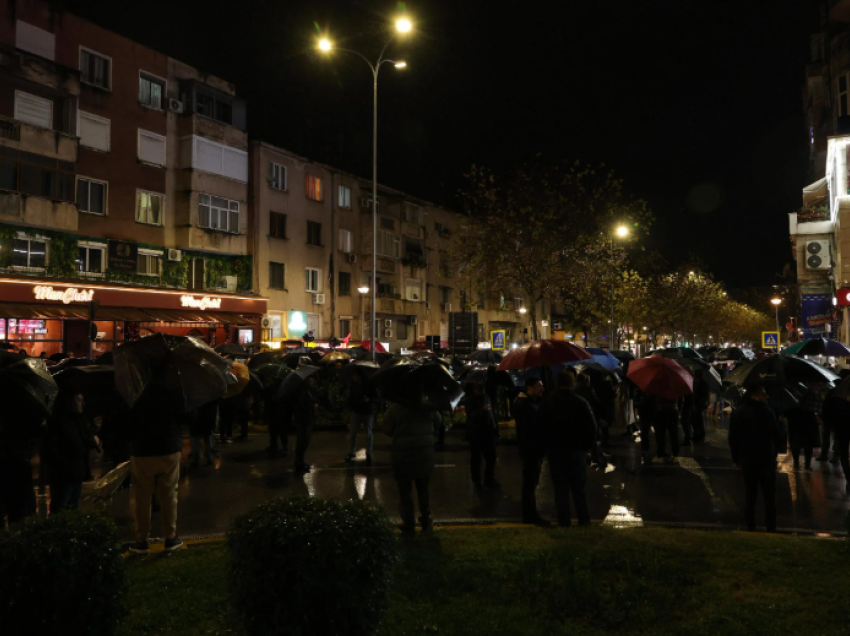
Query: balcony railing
10	130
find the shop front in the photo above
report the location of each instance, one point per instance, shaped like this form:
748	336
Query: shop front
87	321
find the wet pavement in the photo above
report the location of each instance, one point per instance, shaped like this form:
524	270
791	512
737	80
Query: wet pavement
702	489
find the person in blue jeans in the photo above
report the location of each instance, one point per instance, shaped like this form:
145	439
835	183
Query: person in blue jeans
569	432
361	400
66	451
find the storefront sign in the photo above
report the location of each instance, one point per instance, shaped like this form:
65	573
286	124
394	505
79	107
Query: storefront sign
297	324
818	315
67	296
122	256
843	297
200	303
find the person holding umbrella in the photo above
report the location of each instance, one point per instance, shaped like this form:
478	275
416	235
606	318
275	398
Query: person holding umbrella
531	449
481	430
201	429
304	410
277	416
754	437
361	401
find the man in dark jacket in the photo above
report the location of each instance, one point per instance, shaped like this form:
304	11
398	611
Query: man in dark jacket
361	401
155	464
201	429
277	416
304	414
836	415
753	439
66	450
414	432
702	397
569	433
481	431
531	450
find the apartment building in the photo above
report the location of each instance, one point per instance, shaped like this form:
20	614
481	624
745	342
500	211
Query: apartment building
123	191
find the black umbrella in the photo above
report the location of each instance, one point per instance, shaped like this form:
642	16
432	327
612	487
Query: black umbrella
266	357
26	386
474	375
705	370
733	353
96	382
69	363
365	368
362	353
785	370
271	369
409	382
7	345
424	355
292	383
105	358
486	356
56	357
231	348
187	367
302	350
597	371
622	355
676	353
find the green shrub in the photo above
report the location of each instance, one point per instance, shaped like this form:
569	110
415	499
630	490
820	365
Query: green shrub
311	567
62	574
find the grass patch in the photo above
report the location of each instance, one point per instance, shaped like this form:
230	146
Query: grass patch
530	582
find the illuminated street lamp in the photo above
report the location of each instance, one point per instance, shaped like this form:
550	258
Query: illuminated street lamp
776	301
621	231
363	291
402	25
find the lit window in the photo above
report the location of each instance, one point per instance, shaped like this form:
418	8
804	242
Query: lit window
277	177
90	259
29	253
149	208
312	279
314	188
149	263
344	197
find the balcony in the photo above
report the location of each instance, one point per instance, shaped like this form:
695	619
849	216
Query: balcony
38	211
412	230
41	141
61	80
197	125
384	265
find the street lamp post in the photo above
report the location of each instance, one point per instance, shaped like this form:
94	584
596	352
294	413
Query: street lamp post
403	25
522	311
363	290
776	301
622	231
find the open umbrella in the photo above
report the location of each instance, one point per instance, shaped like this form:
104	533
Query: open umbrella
597	370
543	353
676	352
266	357
473	375
26	387
622	356
787	370
379	348
292	382
485	356
105	358
272	369
361	353
366	368
231	348
661	376
96	382
708	373
733	353
424	355
186	367
417	385
7	345
243	377
818	347
334	357
600	357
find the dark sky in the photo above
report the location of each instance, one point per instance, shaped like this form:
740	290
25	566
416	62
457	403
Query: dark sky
696	104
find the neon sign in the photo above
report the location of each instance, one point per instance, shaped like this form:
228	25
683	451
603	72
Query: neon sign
200	303
67	296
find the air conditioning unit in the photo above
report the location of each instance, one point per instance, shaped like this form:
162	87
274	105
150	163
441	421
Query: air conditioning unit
266	322
388	324
817	255
227	283
447	307
388	333
411	320
352	258
174	255
318	299
175	105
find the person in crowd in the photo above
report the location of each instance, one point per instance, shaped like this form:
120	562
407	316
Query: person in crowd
116	437
481	430
686	415
607	396
227	414
529	432
666	423
569	431
702	397
584	390
155	464
492	390
244	403
361	401
200	430
753	439
66	451
645	405
414	432
803	434
836	414
304	410
277	416
19	439
813	400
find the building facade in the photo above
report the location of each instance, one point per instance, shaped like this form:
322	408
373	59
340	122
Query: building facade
121	171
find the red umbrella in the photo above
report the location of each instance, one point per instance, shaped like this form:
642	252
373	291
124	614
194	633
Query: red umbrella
367	344
541	353
659	376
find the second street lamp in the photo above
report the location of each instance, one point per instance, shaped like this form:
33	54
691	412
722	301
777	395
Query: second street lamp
622	231
776	301
403	25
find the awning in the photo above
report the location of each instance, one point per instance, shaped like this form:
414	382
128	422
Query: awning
121	314
14	310
171	315
814	193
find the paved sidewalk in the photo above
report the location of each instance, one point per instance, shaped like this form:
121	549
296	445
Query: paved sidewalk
703	489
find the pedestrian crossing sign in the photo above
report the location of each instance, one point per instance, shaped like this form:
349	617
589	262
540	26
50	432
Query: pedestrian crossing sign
770	339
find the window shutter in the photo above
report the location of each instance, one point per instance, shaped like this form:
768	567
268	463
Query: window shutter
234	164
94	132
33	110
151	148
34	40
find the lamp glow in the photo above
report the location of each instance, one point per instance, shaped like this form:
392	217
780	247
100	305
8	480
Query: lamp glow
403	25
522	310
325	44
400	64
363	290
776	301
622	231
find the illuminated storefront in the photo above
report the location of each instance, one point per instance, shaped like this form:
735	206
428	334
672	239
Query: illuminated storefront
57	318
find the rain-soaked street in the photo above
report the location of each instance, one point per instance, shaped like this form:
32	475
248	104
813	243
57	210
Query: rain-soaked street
703	489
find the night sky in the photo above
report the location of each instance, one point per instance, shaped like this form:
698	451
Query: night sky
697	105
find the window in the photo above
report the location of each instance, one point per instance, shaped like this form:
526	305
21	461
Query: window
414	252
94	131
95	69
344	327
277	225
277	275
216	213
314	187
413	289
90	259
346	242
209	156
843	97
400	329
445	264
33	110
389	244
151	148
151	90
312	279
213	107
91	196
413	214
445	295
149	263
344	284
344	197
387	223
277	177
314	233
29	253
149	207
36	175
